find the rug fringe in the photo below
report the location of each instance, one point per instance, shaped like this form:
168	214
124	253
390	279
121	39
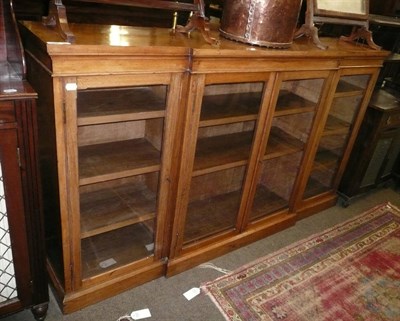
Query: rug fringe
393	206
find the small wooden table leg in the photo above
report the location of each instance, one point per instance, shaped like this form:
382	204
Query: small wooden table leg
310	32
196	21
361	33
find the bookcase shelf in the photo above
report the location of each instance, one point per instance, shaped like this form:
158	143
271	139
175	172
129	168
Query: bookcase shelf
290	103
229	108
208	217
336	126
266	201
222	152
345	89
326	159
98	256
95	106
114	207
117	160
281	143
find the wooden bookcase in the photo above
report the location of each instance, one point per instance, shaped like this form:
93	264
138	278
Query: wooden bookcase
161	151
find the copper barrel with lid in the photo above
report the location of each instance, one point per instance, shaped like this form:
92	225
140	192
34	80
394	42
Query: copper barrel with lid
269	23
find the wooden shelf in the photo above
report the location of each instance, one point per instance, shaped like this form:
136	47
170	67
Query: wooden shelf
345	89
222	152
326	160
290	103
266	202
336	126
105	106
314	187
211	216
281	143
229	108
334	143
124	246
114	160
323	172
113	208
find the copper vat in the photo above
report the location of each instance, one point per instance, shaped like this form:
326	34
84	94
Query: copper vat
269	23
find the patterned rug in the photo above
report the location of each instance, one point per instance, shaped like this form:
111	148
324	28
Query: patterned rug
349	272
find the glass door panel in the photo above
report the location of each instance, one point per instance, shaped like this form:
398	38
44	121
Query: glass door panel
226	128
293	118
326	163
120	138
214	203
8	290
346	103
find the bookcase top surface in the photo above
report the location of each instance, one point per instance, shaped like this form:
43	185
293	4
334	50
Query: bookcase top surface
92	39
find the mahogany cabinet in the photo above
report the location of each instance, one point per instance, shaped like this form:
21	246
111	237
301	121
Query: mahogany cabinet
23	277
160	151
396	172
22	267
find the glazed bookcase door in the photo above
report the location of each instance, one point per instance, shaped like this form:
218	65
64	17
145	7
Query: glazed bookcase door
348	100
225	121
120	156
296	105
118	174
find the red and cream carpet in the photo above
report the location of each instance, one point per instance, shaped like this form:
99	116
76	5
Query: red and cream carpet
350	272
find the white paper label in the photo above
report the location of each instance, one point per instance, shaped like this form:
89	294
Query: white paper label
191	293
106	263
150	247
10	91
71	86
141	314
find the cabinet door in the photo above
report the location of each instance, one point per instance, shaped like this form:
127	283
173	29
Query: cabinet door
382	159
297	100
350	97
122	163
221	129
14	261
